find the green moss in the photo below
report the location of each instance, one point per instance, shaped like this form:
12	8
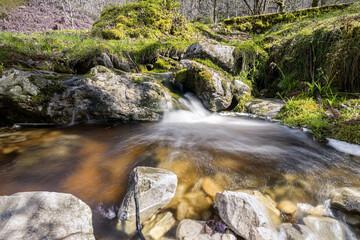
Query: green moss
265	21
46	93
164	64
209	63
143	19
240	107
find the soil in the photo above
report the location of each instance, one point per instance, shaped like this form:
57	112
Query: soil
43	15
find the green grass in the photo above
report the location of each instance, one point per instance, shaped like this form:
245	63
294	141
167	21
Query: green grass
63	49
306	112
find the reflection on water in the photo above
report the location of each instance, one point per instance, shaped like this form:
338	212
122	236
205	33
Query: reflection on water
93	162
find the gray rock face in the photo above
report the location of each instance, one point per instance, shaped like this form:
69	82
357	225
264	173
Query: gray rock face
44	215
221	55
194	230
264	107
245	215
111	95
240	89
325	228
211	86
287	231
156	187
39	96
17	90
346	199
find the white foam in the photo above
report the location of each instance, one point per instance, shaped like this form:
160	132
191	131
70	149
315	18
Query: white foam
341	146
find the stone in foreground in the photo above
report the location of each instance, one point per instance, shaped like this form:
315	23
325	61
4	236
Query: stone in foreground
156	187
245	215
44	215
189	229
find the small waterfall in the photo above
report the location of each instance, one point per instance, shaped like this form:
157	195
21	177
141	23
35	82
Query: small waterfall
195	111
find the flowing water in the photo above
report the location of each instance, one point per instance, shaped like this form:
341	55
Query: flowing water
93	162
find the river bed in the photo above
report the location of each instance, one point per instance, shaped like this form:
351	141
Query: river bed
93	162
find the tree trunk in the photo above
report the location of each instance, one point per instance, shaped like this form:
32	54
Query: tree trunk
214	10
227	8
315	3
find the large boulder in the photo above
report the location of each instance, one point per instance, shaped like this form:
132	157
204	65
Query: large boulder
156	187
44	215
189	229
102	95
211	86
111	95
245	215
220	54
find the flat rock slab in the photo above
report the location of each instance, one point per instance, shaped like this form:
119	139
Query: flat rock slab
44	215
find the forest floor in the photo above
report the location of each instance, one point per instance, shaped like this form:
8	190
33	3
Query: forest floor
40	15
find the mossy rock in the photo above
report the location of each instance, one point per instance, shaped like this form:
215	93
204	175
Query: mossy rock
143	19
263	22
211	86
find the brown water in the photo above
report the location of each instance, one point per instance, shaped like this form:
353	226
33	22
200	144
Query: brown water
93	162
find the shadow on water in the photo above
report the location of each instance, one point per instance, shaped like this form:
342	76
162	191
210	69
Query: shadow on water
93	162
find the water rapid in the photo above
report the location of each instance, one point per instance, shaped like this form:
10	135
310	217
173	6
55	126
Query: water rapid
93	162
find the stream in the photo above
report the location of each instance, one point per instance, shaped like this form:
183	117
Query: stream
93	162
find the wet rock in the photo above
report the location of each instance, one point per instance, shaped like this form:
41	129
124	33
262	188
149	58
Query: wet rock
156	187
111	95
264	107
194	230
287	206
325	228
44	215
211	86
220	54
245	215
304	209
291	231
268	203
156	228
346	199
